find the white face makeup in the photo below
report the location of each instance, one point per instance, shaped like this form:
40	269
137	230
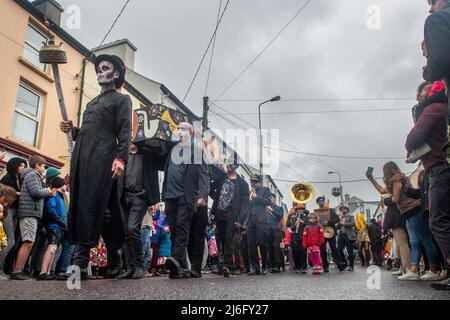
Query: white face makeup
106	73
184	133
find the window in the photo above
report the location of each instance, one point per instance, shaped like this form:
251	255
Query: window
27	115
33	42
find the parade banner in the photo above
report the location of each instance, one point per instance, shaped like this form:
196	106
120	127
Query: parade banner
156	125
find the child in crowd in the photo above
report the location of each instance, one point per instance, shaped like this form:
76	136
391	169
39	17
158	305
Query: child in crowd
363	244
7	197
213	251
165	244
98	260
31	205
313	240
55	223
155	243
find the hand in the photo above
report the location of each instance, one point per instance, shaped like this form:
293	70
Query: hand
369	175
66	126
166	229
238	225
53	192
253	195
269	208
201	202
117	169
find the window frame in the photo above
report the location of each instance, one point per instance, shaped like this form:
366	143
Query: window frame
25	114
27	44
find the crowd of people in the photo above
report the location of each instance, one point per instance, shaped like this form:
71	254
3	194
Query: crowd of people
110	220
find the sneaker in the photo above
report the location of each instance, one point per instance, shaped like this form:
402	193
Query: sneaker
397	273
138	273
430	276
442	285
20	276
43	277
350	269
254	273
126	275
3	277
409	276
304	271
265	272
225	272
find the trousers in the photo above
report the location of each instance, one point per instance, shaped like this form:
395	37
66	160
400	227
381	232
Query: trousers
257	238
197	236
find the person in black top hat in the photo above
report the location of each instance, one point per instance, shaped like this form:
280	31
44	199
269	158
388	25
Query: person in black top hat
98	160
258	226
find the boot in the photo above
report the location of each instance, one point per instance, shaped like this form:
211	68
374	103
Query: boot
126	275
138	273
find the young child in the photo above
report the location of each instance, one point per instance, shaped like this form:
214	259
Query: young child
165	243
31	205
55	223
313	239
7	197
213	251
363	244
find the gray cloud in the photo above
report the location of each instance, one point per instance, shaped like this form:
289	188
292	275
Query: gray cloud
327	52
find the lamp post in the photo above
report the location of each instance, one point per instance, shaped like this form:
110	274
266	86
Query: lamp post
340	184
261	146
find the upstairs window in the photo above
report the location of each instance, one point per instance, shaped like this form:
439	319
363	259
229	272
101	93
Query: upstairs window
33	42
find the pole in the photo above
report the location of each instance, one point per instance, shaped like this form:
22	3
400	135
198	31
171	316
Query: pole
342	189
62	105
261	146
205	112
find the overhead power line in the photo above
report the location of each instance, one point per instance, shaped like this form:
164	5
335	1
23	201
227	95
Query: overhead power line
264	49
316	112
339	156
206	51
317	99
212	51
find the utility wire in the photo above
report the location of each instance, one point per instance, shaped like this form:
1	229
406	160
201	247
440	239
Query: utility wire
317	112
206	51
338	156
317	99
106	35
264	49
212	51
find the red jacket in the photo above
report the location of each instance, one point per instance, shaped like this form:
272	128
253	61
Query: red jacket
313	235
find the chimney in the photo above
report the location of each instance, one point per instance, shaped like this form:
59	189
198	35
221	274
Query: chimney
122	48
51	9
347	198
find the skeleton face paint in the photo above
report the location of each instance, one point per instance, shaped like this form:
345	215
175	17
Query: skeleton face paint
106	73
185	133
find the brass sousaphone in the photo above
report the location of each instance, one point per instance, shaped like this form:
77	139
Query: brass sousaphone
302	192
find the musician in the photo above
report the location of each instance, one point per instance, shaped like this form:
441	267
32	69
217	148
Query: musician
257	227
296	224
275	235
334	220
347	236
230	207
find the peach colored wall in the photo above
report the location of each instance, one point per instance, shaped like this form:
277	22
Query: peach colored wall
51	142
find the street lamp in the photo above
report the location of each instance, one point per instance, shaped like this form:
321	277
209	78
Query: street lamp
340	184
261	150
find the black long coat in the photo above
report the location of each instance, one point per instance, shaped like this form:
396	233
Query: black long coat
104	136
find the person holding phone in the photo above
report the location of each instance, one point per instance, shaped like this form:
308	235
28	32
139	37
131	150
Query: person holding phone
397	184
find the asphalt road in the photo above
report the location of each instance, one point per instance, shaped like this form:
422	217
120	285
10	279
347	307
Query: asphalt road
284	286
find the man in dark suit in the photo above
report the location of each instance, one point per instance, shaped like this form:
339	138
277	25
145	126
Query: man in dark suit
437	43
185	190
275	235
258	225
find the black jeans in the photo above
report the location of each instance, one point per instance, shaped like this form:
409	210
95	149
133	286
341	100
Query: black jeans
377	252
334	253
440	210
197	236
179	217
257	237
345	243
274	248
299	253
81	253
244	251
226	230
134	208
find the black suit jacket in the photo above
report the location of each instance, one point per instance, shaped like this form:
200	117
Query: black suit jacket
262	200
196	181
437	39
241	199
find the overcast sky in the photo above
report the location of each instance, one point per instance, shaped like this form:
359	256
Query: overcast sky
328	52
